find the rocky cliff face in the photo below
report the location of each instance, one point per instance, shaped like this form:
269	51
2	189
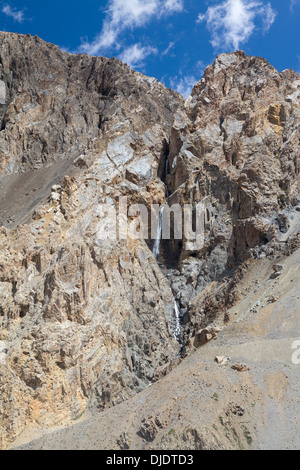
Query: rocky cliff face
236	145
87	323
84	323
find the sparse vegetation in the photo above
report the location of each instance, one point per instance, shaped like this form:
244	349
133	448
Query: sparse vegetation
247	436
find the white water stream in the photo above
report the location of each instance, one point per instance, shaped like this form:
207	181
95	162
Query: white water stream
156	247
176	327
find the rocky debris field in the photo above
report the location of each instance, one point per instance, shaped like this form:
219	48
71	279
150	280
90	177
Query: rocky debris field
88	338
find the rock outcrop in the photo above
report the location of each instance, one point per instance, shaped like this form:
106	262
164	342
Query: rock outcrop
87	322
250	402
236	146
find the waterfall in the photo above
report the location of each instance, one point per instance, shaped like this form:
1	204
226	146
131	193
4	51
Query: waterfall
177	326
156	246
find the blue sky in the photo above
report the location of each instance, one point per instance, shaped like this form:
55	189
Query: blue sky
172	40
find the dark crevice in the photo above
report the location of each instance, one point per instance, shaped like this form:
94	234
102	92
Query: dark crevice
162	167
170	250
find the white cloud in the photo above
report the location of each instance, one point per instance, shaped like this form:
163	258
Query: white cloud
173	5
17	15
294	3
136	54
167	50
184	85
124	14
232	22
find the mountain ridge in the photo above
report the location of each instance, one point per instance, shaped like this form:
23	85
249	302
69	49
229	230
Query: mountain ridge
87	324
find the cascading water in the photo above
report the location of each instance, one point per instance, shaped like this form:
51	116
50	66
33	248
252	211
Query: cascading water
156	246
157	242
176	326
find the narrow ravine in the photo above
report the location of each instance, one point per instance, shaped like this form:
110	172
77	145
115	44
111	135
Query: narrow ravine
176	324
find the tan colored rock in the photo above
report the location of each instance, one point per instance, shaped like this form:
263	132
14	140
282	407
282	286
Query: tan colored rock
222	360
87	323
234	147
205	335
240	367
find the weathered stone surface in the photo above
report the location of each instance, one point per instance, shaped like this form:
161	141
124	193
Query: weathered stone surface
200	405
240	367
87	323
236	147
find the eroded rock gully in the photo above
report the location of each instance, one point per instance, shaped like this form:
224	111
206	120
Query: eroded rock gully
85	323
